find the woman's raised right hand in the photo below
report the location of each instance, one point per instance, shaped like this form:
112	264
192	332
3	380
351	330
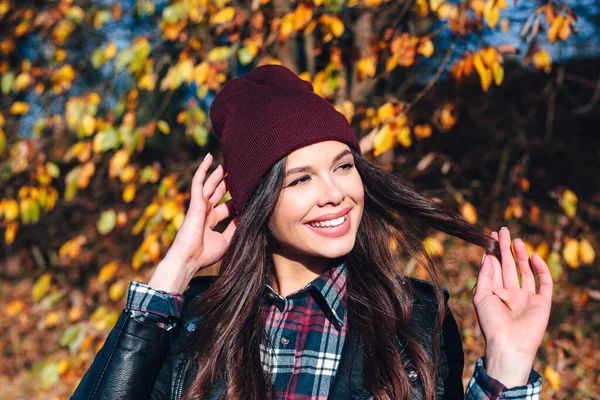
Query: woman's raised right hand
196	244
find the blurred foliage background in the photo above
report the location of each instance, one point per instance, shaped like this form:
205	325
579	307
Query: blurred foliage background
489	106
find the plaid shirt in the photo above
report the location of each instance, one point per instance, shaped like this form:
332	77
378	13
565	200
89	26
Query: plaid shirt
307	330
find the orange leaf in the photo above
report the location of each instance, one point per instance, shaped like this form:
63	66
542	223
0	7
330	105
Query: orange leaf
555	27
468	212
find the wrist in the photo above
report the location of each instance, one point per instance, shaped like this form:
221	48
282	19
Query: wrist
509	368
170	276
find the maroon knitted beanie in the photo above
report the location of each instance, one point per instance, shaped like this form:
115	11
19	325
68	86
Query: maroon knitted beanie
265	115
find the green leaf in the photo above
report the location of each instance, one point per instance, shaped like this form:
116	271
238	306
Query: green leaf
554	265
200	135
69	335
123	59
49	375
98	57
40	288
8	80
163	127
107	221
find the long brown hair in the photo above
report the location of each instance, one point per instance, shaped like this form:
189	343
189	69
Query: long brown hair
230	332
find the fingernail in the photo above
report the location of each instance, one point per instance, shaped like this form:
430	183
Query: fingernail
206	156
503	228
519	239
483	259
534	254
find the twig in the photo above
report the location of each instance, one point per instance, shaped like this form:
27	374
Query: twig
591	104
433	80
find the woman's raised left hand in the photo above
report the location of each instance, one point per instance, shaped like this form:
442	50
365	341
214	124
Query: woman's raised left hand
513	317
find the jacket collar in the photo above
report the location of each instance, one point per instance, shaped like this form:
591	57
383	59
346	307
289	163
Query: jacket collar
329	286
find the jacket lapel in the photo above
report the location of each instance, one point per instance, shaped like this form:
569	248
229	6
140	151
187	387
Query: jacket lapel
348	380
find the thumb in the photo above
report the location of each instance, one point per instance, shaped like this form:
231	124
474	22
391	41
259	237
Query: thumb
229	231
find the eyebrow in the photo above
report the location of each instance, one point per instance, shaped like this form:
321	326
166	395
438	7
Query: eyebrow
309	168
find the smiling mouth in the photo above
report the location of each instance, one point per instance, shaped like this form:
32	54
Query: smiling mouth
332	223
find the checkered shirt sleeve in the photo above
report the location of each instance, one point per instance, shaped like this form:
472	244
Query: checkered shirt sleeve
149	305
482	386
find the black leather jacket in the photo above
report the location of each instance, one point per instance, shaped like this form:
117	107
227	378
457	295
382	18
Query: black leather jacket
138	361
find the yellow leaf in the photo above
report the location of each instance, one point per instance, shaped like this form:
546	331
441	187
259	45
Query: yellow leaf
337	26
88	125
555	27
571	253
587	254
392	62
485	74
163	127
542	60
426	48
107	272
491	13
498	73
116	291
222	16
22	81
10	232
542	249
569	203
19	107
468	212
129	193
403	136
366	66
117	162
110	51
385	112
10	209
219	54
553	377
127	174
169	209
41	286
72	248
435	4
433	247
52	319
383	141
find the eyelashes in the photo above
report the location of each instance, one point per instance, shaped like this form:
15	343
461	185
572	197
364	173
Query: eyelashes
345	166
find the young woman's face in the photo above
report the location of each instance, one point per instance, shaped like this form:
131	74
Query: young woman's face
321	203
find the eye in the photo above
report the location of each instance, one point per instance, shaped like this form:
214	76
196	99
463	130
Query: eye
297	181
346	166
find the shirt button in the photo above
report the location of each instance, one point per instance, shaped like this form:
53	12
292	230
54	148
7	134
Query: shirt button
284	340
412	375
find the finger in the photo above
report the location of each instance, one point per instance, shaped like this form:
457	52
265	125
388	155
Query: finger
496	267
219	213
485	280
509	268
230	230
197	201
218	194
527	278
212	182
544	276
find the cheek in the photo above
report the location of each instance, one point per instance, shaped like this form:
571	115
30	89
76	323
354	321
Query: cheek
290	211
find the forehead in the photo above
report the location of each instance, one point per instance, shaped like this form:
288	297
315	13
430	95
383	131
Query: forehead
316	152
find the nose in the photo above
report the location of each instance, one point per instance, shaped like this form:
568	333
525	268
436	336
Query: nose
331	193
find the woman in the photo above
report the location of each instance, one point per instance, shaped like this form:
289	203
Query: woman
309	303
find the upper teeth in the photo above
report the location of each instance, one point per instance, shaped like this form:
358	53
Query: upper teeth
331	222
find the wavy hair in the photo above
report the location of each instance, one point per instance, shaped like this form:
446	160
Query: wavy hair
230	332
